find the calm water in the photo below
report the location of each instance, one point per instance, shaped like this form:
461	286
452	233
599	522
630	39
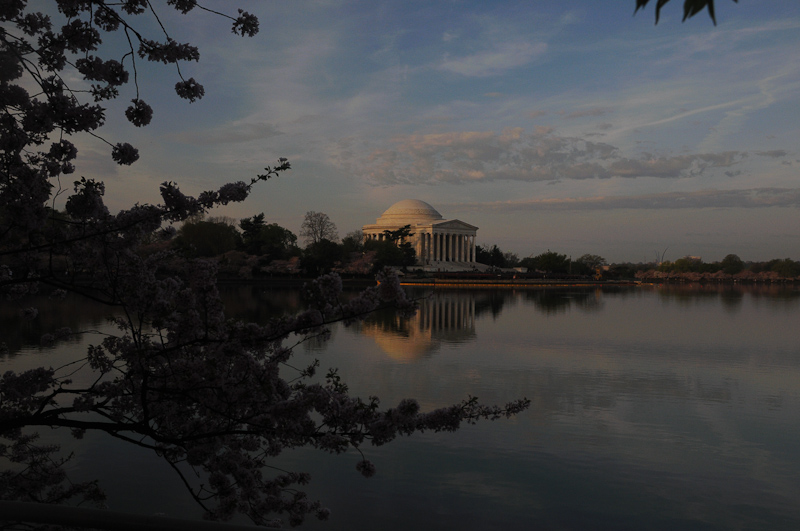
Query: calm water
652	408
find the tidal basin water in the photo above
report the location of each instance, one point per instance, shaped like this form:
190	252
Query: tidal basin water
672	407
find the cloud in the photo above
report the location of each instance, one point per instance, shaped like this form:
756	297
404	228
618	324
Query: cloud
775	154
514	155
594	111
673	167
496	61
749	198
229	134
536	114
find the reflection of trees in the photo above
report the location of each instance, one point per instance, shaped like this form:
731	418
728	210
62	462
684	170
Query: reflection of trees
560	300
259	304
491	301
730	296
76	313
442	317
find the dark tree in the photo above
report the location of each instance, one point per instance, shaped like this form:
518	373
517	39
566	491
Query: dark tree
732	264
206	238
316	227
690	8
588	264
320	257
491	256
394	249
548	262
269	240
353	242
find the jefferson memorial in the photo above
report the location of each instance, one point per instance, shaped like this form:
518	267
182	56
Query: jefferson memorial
446	244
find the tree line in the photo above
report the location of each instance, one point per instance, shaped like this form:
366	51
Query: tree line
688	267
252	247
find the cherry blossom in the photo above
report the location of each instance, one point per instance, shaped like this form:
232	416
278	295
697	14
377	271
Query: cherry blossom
214	397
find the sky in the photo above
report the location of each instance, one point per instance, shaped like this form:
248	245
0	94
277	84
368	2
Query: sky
576	127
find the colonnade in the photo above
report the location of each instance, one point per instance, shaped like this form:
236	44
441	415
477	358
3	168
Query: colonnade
439	246
446	247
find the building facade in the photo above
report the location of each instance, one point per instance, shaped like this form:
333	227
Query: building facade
437	241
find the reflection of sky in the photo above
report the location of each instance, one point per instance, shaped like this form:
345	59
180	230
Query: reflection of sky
669	397
658	408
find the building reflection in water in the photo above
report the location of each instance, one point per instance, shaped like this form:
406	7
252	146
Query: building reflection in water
443	317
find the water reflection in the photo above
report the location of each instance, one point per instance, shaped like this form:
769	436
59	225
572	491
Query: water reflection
442	317
76	313
657	407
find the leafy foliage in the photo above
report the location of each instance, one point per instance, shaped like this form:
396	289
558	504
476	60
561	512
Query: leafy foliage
690	8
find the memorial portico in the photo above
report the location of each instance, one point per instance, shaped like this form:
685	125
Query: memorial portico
438	242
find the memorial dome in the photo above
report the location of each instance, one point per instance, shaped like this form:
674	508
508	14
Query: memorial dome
409	212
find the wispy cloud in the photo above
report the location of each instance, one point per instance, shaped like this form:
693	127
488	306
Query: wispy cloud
775	153
750	198
593	111
495	61
514	155
229	134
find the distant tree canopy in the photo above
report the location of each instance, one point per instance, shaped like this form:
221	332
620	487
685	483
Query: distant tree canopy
732	264
588	264
320	257
512	259
353	242
491	256
267	239
317	226
548	262
690	8
206	238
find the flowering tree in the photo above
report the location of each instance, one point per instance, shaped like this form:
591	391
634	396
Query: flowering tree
210	395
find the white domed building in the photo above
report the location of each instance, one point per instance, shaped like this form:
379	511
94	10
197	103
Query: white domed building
447	244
